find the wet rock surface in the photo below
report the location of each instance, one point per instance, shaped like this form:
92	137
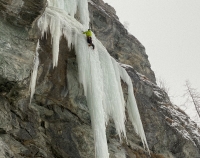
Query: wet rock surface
56	124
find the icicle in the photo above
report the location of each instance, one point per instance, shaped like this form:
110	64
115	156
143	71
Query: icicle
56	32
34	72
113	96
132	106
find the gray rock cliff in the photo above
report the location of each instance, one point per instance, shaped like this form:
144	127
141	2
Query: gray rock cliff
120	44
57	122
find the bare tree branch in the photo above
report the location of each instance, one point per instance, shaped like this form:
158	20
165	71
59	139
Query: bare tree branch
163	85
194	95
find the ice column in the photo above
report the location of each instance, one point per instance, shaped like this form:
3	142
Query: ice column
90	75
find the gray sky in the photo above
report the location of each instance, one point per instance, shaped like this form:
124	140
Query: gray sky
170	32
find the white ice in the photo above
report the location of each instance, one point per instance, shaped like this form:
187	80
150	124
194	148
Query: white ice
99	73
34	72
55	23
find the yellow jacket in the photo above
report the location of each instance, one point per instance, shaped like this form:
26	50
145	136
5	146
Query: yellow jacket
88	33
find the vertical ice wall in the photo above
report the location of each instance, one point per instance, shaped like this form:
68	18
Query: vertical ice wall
72	7
99	73
90	76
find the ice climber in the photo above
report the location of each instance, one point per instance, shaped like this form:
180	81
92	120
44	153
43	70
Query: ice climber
89	37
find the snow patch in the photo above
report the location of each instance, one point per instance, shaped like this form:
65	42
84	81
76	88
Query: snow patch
158	94
125	65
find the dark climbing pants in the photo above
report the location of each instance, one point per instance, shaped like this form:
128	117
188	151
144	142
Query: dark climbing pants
89	40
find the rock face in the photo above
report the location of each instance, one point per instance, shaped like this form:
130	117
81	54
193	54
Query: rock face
20	12
124	47
168	129
57	123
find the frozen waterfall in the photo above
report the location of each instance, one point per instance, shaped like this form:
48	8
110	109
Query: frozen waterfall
99	73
